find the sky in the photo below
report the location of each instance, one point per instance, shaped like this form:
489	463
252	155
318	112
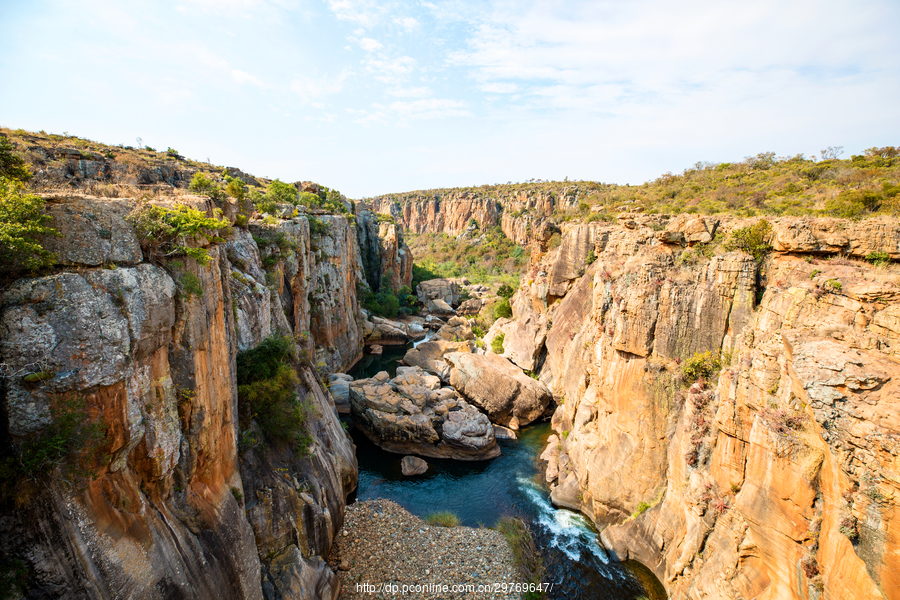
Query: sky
374	97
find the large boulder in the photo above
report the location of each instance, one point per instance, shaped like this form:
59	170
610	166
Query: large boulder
439	295
413	414
456	329
523	337
384	332
430	356
498	387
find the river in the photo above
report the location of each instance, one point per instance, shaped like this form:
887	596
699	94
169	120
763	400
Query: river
479	493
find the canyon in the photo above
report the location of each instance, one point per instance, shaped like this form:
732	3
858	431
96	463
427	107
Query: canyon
728	418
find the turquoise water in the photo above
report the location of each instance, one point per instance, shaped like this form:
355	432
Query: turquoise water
479	493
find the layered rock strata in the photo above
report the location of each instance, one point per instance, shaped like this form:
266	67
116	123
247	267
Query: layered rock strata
175	499
775	477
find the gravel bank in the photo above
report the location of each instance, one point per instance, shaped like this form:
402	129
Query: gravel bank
383	546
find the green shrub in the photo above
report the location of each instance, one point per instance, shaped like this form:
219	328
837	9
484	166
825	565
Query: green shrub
878	258
752	240
267	392
526	557
201	184
853	204
497	343
167	231
22	222
833	285
701	364
309	200
442	519
235	188
282	193
591	257
12	166
262	362
502	309
505	291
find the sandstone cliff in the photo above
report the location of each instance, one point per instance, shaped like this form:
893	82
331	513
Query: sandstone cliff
778	481
177	500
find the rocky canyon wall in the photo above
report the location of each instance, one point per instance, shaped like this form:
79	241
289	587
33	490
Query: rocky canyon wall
177	500
774	477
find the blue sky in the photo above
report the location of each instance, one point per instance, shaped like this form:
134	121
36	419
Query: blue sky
373	97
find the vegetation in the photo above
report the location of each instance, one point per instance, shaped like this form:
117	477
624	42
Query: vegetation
442	519
22	223
489	258
202	184
169	231
752	240
760	185
506	291
497	343
503	310
72	440
12	166
526	557
267	392
701	365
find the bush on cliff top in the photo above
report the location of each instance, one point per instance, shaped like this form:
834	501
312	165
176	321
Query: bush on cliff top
22	222
169	231
752	240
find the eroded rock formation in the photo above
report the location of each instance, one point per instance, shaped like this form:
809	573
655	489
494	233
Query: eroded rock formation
775	477
175	500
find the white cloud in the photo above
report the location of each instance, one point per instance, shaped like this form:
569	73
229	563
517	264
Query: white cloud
499	88
370	45
390	70
242	77
417	92
432	108
365	13
311	87
406	22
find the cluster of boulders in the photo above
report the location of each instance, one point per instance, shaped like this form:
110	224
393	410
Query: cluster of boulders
450	400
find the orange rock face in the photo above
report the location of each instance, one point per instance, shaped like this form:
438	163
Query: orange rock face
774	477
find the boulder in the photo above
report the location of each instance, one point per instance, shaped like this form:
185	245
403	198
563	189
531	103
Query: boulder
413	414
339	386
470	307
430	356
456	329
439	295
695	230
376	349
498	387
384	332
413	465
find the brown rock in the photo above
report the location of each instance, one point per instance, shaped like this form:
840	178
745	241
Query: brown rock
413	465
498	387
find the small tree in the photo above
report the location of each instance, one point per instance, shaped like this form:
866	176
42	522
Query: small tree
12	166
22	222
282	193
505	291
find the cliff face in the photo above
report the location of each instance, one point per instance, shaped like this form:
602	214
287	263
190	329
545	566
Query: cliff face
779	481
176	504
520	214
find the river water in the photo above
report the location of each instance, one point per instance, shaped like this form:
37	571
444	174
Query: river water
479	493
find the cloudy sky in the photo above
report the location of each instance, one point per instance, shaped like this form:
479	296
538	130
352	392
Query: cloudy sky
371	97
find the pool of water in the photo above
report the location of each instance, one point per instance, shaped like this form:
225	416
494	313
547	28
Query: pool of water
479	493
